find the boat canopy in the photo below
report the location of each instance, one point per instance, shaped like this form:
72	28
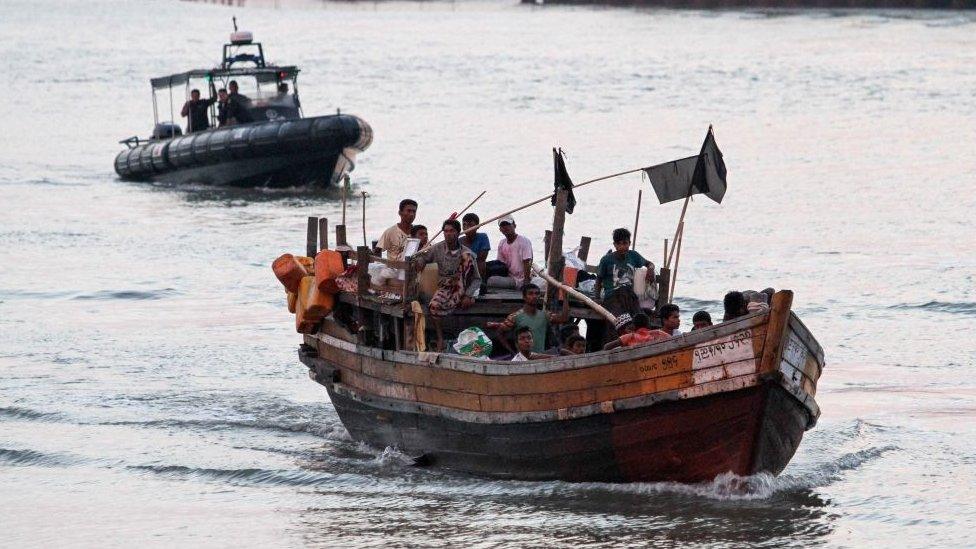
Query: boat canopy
262	74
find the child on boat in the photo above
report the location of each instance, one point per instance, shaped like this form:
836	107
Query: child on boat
701	320
642	333
420	232
524	342
615	275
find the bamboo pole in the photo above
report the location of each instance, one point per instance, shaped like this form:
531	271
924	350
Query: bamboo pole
575	293
365	243
633	237
677	259
681	222
345	187
549	196
431	240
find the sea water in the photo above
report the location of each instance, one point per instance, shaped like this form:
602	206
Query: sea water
150	391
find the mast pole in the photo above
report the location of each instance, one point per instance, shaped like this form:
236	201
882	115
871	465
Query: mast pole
345	185
364	220
677	260
633	237
554	263
681	222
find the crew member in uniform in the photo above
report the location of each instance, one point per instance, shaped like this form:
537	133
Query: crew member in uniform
195	110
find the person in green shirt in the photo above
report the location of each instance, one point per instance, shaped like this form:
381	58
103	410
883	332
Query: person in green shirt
532	317
617	269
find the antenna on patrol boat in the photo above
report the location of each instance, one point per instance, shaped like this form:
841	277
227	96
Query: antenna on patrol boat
234	18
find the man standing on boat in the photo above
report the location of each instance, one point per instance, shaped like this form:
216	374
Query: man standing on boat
458	279
531	317
394	239
238	105
615	275
195	111
222	116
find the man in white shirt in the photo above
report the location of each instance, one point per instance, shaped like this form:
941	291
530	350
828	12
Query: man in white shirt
395	238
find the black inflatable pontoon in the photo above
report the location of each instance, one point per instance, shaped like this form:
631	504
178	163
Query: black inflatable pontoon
279	148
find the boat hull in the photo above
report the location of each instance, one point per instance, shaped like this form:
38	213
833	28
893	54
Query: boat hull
277	153
736	398
682	441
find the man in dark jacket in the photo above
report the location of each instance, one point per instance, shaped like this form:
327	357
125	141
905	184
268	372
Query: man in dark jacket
196	111
237	106
222	117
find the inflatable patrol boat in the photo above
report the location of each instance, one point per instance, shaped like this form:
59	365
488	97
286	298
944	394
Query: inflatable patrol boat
276	146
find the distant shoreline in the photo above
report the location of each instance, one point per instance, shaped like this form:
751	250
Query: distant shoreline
788	4
681	4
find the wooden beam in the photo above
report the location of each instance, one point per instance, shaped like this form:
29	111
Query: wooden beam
779	318
575	293
663	285
312	237
409	285
362	270
556	241
547	243
555	254
323	233
341	246
584	248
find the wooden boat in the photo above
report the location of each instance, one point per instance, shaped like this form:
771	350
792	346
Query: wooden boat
735	397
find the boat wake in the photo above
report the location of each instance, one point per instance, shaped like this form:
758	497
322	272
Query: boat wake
28	458
135	295
17	413
953	307
247	476
729	486
318	428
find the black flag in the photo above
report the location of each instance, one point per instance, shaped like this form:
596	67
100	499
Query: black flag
701	174
562	180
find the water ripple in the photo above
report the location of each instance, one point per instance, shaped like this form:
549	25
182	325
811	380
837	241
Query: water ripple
955	307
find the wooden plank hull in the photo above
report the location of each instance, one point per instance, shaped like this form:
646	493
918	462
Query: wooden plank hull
737	397
682	441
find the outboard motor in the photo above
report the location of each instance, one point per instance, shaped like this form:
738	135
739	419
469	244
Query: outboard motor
166	130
